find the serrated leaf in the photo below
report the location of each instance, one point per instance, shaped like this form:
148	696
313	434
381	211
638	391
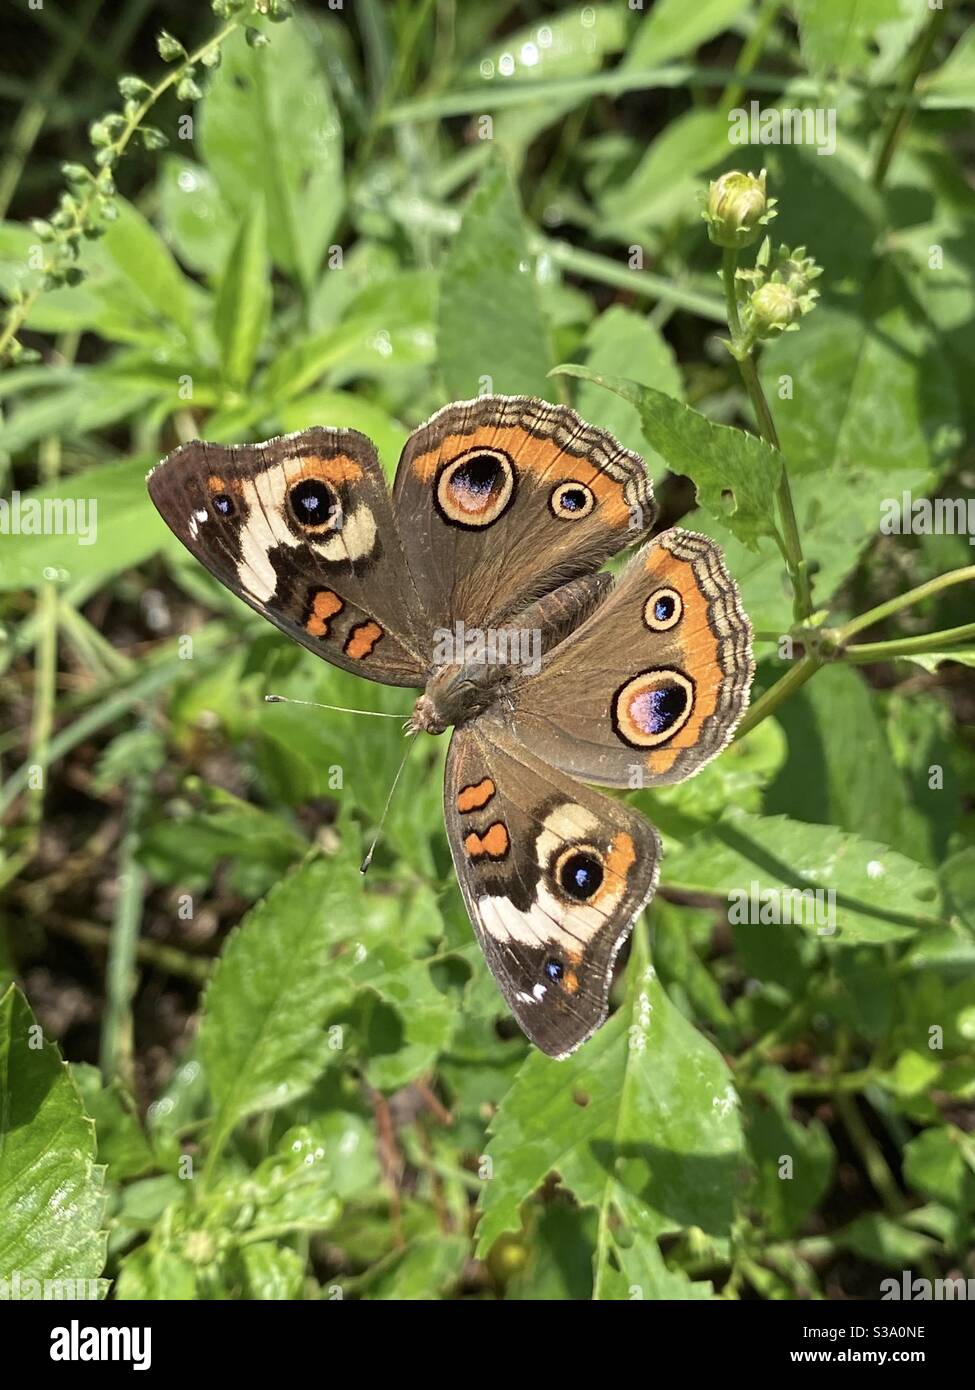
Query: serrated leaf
51	1191
122	1144
490	322
720	460
616	342
243	303
641	1123
880	895
261	1039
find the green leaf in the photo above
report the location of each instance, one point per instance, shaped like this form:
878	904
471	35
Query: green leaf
94	398
269	127
866	393
243	303
423	1270
721	461
51	1198
930	661
151	274
262	1039
662	186
787	1193
641	1123
880	895
115	526
883	1241
953	84
673	28
940	1163
839	35
623	341
197	221
491	334
837	513
122	1144
832	724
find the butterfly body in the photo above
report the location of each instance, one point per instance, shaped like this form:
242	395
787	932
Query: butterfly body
479	581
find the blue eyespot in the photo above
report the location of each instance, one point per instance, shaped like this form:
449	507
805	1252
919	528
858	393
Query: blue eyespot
223	504
663	609
554	969
580	875
311	502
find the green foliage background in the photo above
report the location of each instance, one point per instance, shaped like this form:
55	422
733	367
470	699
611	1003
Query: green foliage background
284	1083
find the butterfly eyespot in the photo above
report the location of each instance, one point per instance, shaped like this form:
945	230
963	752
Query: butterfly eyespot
553	969
652	707
223	504
579	873
570	501
476	489
313	504
663	610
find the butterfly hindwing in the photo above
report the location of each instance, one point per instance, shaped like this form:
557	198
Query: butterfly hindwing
553	875
651	685
302	529
502	499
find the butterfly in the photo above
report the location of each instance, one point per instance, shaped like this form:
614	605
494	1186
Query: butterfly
478	578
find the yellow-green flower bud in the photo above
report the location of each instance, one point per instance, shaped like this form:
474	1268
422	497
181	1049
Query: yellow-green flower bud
773	308
737	208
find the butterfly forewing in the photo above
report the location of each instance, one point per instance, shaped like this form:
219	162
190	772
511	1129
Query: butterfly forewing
301	528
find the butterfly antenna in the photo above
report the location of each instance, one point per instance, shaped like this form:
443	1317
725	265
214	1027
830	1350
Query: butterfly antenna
363	867
339	709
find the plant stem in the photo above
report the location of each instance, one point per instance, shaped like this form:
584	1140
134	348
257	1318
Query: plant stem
769	701
865	652
19	312
906	600
898	116
750	53
117	1048
742	348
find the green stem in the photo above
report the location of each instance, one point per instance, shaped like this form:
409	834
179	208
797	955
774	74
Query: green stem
865	652
45	691
898	116
794	679
117	1044
906	600
742	348
750	53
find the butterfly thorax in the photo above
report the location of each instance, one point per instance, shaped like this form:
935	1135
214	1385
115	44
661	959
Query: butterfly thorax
456	694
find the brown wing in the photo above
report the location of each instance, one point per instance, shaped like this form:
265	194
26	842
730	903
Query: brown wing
302	529
553	875
652	685
502	499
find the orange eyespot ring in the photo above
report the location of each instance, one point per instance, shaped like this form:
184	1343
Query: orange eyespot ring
652	707
663	610
571	501
476	488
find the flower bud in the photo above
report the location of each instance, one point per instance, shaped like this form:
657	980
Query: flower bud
773	308
737	208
